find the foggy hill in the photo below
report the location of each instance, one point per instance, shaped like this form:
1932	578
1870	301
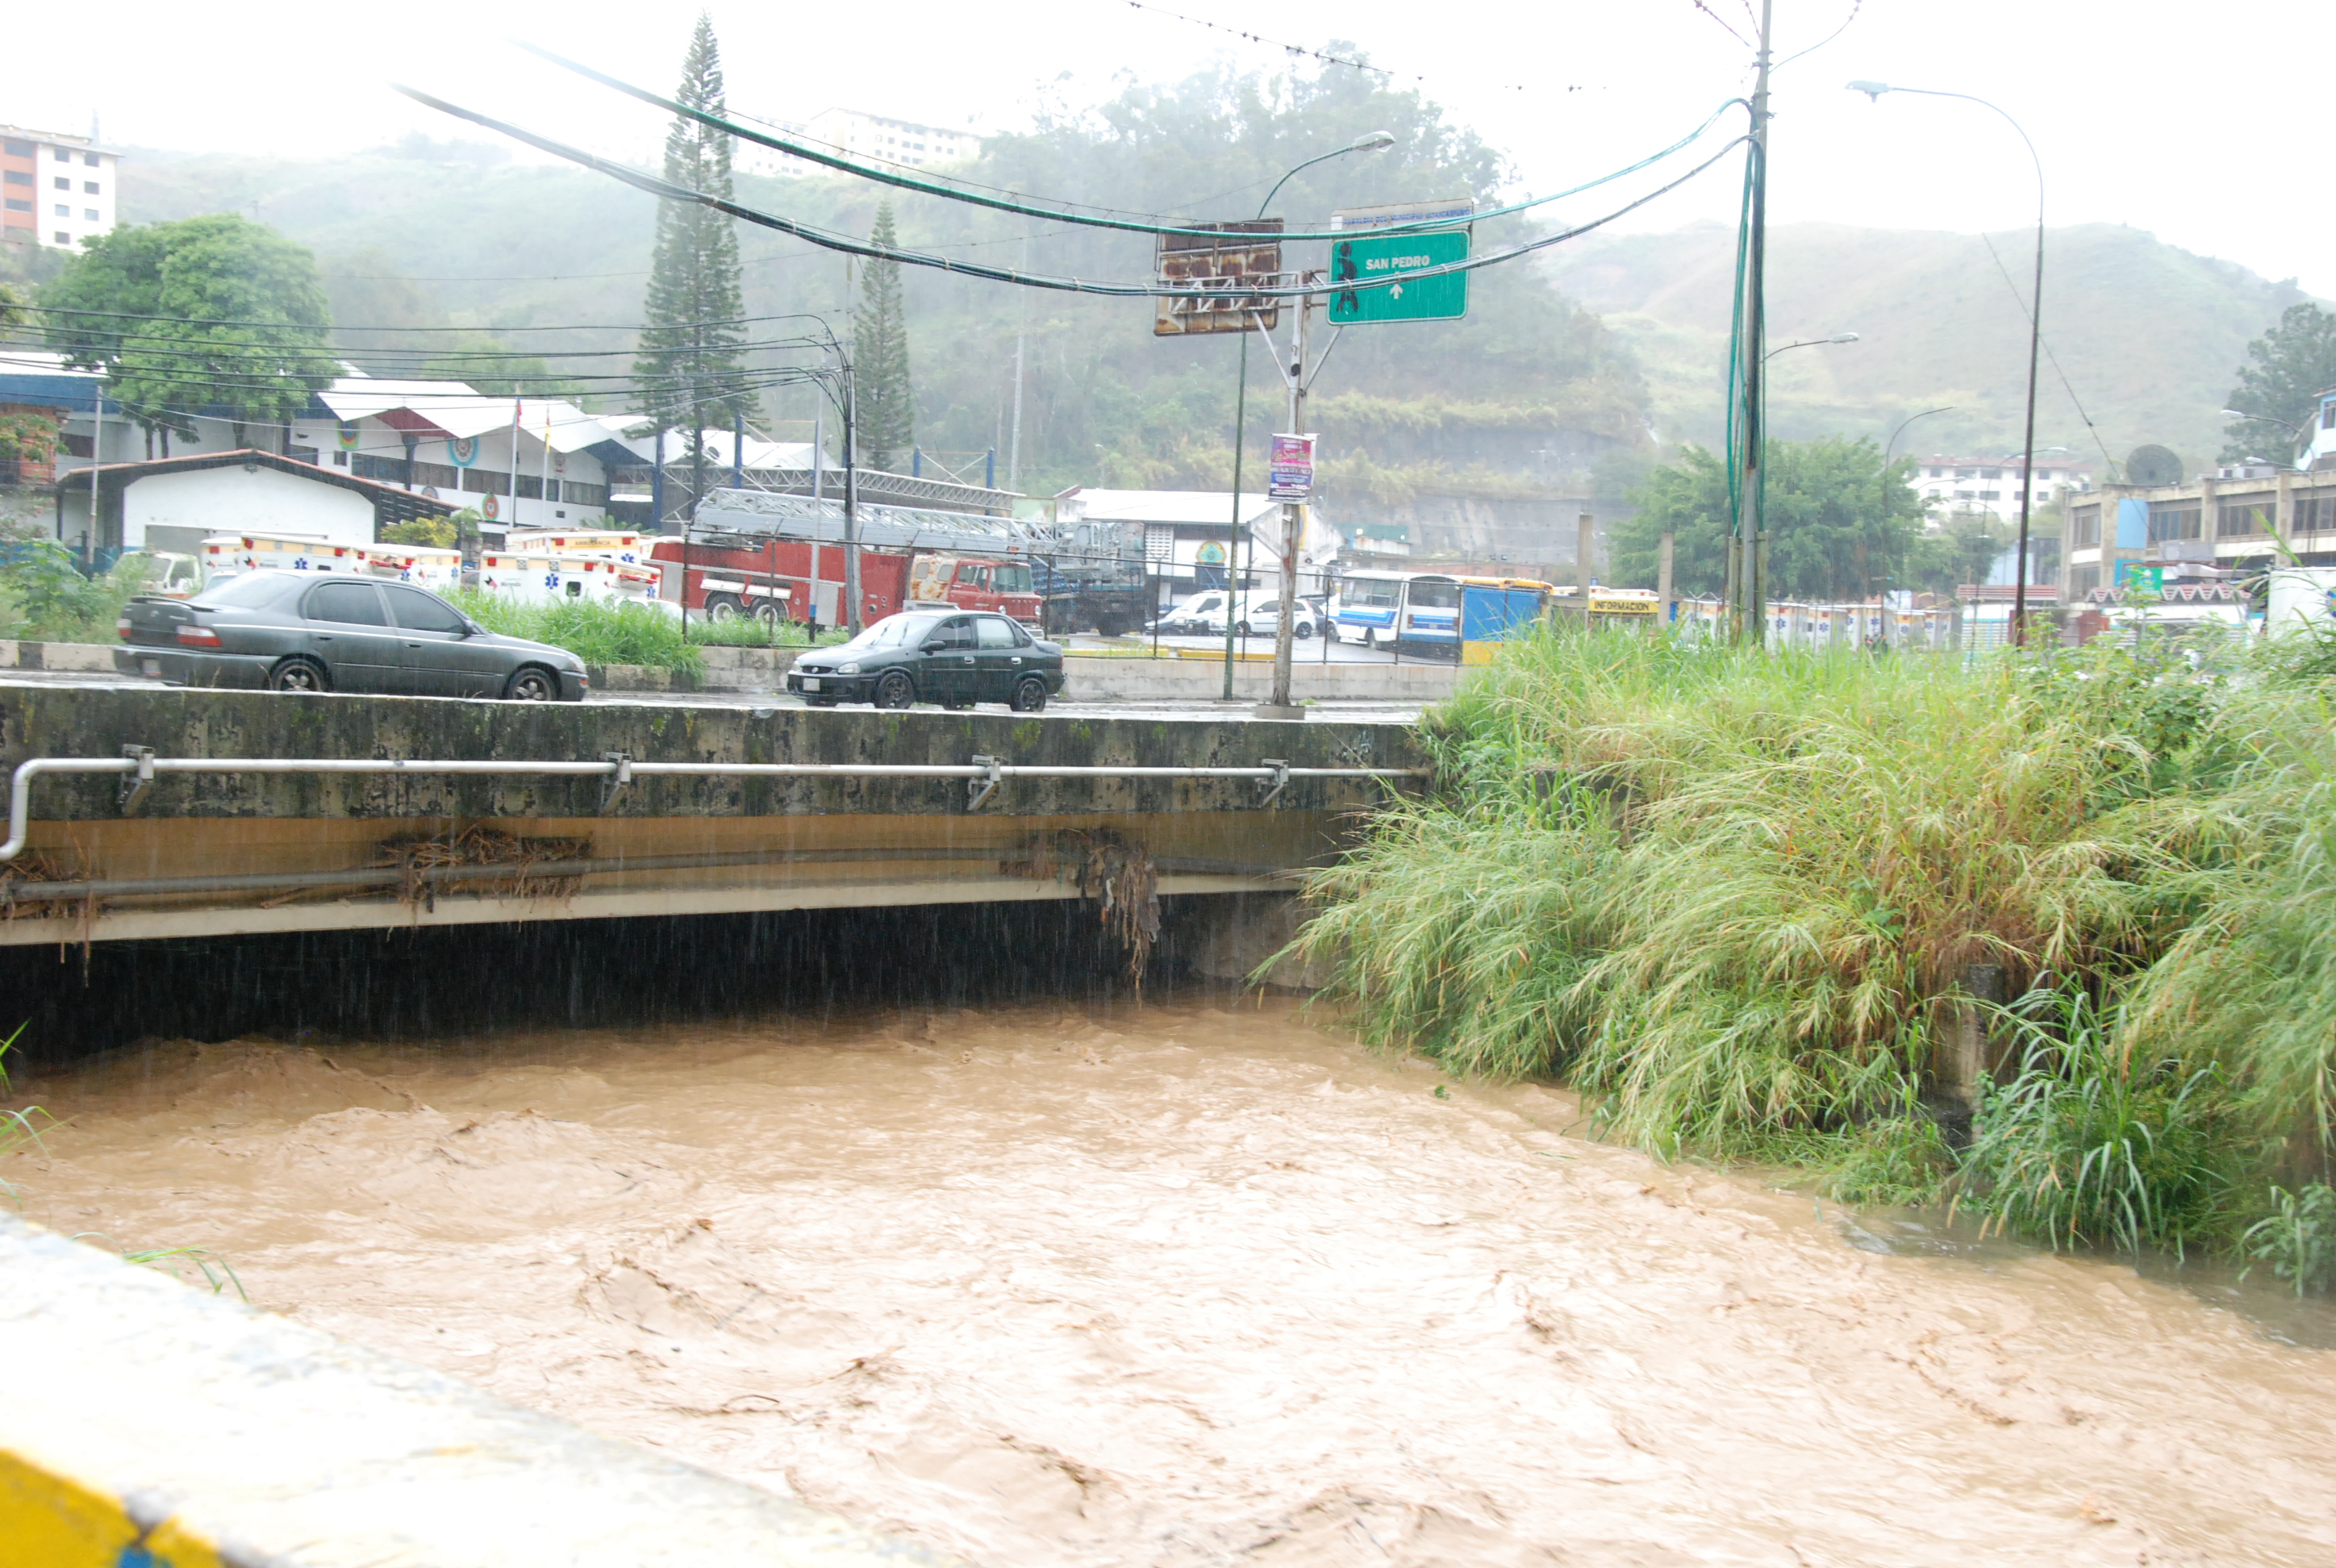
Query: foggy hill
2150	336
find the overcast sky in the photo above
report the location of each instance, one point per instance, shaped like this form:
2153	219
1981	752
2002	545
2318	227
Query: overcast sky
2184	120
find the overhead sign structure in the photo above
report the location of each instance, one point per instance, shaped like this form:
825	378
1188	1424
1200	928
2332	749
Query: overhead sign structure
1450	212
1289	470
1204	261
1371	258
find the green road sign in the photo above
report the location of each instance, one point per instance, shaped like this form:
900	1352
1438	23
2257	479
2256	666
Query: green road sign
1369	258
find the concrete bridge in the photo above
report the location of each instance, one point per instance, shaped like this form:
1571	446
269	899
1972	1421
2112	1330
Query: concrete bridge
147	813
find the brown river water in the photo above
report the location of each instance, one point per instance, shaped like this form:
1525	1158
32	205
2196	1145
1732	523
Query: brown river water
1181	1284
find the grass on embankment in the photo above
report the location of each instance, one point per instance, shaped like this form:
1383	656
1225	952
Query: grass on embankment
601	633
1728	895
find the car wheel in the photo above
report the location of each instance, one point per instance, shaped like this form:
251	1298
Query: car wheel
1029	695
298	675
895	690
1304	631
531	684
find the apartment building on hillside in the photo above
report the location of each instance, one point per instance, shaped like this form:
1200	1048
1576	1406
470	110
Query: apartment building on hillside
55	189
1963	485
873	137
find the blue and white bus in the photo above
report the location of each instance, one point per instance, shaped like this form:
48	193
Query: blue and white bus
1385	609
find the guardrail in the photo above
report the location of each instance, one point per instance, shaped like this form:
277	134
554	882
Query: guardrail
138	768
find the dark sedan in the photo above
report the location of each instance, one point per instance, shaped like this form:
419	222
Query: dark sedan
299	631
925	655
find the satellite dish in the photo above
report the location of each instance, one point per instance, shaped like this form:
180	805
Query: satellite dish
2153	465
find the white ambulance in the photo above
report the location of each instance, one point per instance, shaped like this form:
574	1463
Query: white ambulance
545	576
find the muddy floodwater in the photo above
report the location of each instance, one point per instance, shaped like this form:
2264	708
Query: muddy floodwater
1181	1284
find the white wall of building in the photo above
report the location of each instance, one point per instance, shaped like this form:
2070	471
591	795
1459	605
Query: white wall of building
235	499
73	190
1953	486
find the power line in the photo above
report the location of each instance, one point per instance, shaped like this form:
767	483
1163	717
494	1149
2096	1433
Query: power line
849	245
1056	212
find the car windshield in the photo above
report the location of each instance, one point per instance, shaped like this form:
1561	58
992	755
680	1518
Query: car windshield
246	590
894	631
1013	577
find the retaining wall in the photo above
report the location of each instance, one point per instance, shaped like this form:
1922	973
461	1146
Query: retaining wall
1192	680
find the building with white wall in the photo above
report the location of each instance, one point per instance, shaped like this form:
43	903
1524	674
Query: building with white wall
55	190
874	137
519	462
1951	486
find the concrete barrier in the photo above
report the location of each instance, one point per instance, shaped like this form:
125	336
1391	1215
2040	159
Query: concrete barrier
1191	681
78	656
149	1424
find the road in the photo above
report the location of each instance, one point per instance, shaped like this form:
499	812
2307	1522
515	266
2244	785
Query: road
1214	712
1313	650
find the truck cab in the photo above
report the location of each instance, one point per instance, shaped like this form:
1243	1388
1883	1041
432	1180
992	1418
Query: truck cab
974	582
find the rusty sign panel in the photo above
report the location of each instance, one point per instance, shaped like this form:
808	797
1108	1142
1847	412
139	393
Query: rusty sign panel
1205	261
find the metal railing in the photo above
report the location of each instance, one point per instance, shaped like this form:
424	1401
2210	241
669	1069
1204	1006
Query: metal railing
137	768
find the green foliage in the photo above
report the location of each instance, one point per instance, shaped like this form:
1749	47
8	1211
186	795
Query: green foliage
2297	1237
1839	529
2093	1143
29	435
887	410
2293	362
47	591
594	631
440	531
207	312
691	368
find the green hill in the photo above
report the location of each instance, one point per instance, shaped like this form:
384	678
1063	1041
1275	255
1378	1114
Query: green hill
2150	336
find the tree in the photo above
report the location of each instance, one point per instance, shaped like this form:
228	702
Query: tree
879	355
213	312
2293	362
691	364
1839	528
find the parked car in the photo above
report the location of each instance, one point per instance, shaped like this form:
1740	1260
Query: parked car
299	631
919	656
1263	618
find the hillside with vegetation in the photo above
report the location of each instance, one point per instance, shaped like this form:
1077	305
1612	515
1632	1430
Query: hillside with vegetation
2150	336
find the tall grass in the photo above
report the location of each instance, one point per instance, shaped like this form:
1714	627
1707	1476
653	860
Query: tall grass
595	632
2089	1143
1729	894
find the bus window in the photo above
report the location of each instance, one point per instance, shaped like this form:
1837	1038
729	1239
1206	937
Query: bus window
1435	593
1370	592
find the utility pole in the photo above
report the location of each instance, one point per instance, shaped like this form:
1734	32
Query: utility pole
851	499
1292	518
1749	560
818	495
1021	332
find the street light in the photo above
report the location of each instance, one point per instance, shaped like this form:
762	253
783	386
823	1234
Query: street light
1815	343
1873	91
2294	432
1371	142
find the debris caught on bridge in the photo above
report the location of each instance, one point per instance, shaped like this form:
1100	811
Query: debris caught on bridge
482	846
32	866
1119	876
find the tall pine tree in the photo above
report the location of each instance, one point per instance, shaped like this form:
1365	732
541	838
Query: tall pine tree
879	349
691	365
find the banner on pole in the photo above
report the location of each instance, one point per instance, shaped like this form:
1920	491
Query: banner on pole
1289	470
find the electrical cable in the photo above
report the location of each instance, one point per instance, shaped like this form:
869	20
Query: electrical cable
847	244
2025	314
1054	212
225	321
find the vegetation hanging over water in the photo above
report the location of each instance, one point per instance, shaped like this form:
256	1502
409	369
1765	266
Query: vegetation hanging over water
1729	895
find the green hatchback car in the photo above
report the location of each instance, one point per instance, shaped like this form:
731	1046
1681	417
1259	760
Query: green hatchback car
953	658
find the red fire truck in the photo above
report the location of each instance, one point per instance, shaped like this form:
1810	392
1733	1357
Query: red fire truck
775	580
